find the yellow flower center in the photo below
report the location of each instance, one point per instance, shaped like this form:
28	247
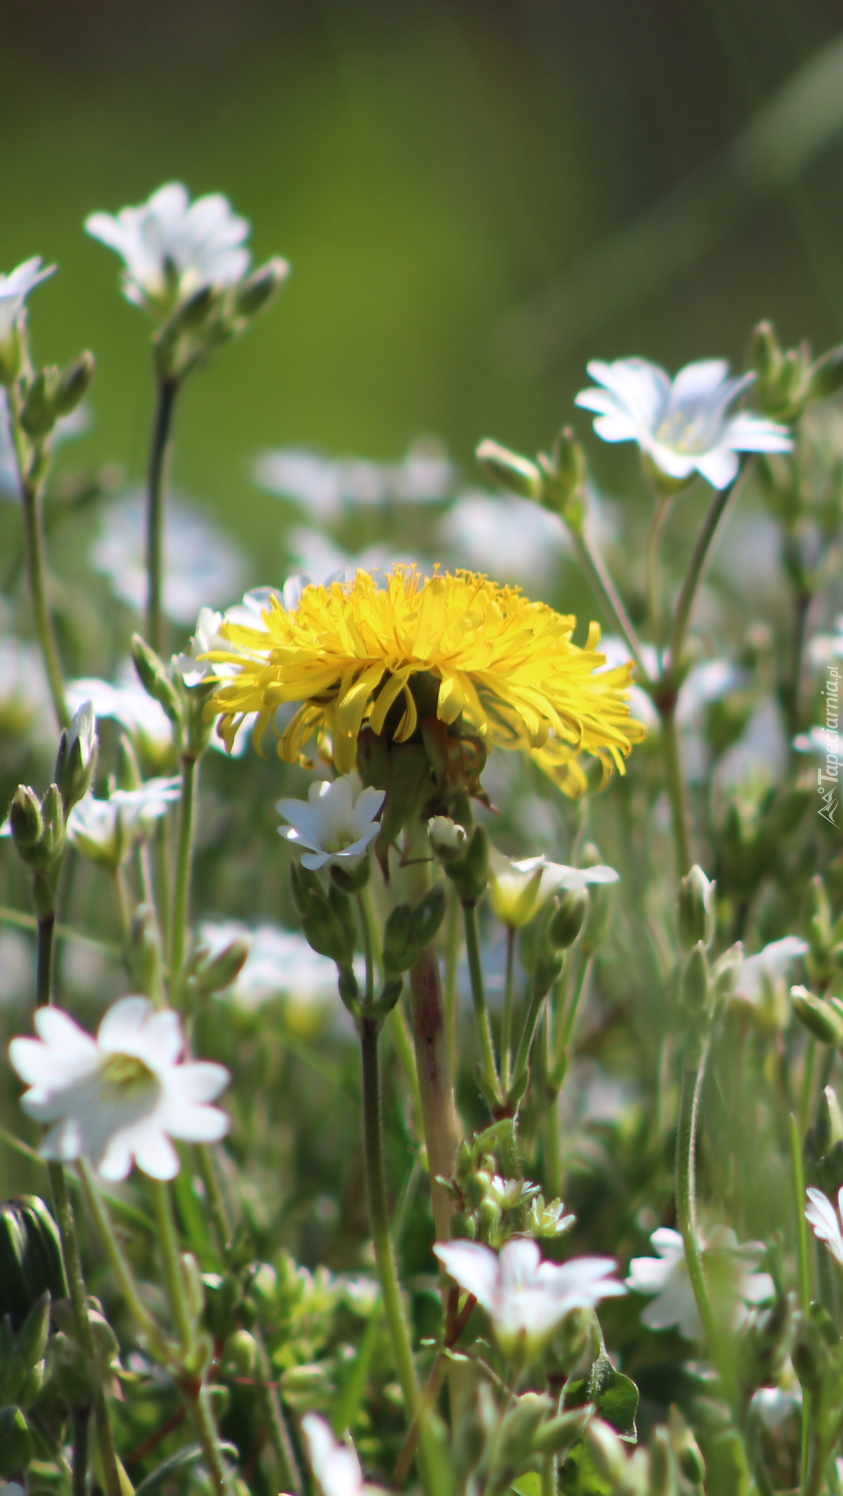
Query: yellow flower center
127	1074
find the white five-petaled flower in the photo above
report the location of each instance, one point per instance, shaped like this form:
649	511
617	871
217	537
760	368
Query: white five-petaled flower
824	1221
335	1465
206	636
524	1297
14	289
336	823
520	890
683	425
732	1272
107	830
173	247
119	1098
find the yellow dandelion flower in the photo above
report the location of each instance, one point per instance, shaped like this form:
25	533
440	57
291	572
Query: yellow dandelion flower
353	654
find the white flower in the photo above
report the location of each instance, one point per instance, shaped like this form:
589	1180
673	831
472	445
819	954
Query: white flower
24	692
768	968
202	565
520	890
732	1272
107	830
824	1221
11	1488
14	289
66	427
524	1297
335	1466
327	488
206	636
683	426
508	1194
172	247
446	835
510	539
279	962
336	823
774	1405
118	1099
144	719
320	556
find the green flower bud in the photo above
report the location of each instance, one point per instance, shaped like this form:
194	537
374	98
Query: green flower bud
241	1352
327	919
390	993
568	918
352	879
155	680
349	989
695	983
194	311
74	384
214	973
695	909
608	1453
827	375
817	918
409	930
33	1333
76	760
52	840
30	1257
16	1448
562	1432
38	416
563	480
26	821
519	1428
509	470
258	290
470	875
819	1018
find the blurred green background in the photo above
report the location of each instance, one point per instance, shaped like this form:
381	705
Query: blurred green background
476	196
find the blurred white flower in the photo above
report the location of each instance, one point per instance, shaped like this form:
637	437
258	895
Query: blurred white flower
327	488
321	558
144	719
446	835
818	742
524	1297
17	966
768	968
25	702
760	753
824	1221
205	637
731	1267
172	247
202	564
14	289
683	425
108	830
118	1099
66	427
335	1465
280	962
824	649
336	823
520	890
509	539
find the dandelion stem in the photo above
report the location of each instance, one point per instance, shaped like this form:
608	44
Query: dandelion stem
481	1012
183	871
159	459
379	1217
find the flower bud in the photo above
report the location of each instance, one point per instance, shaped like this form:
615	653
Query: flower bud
327	919
470	874
695	984
608	1452
31	1342
568	918
827	375
16	1449
30	1257
828	1129
695	909
26	821
817	918
214	973
560	1433
52	839
819	1018
448	839
563	480
74	384
76	760
38	416
241	1352
390	993
143	954
509	470
408	930
727	971
155	680
663	1471
194	311
257	291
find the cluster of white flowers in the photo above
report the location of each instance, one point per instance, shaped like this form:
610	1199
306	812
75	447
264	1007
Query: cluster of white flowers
119	1098
107	830
327	488
683	426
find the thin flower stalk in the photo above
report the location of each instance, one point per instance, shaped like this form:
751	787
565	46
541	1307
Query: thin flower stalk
696	570
183	871
144	1321
508	1000
478	993
160	455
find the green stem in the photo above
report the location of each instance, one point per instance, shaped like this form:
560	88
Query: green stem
217	1207
696	571
481	1012
804	1255
607	594
368	949
693	1071
403	1040
44	960
159	455
33	529
654	539
122	1271
168	1243
379	1218
206	1430
549	1475
675	786
181	882
509	994
452	958
569	1017
807	1097
80	1422
84	1334
122	892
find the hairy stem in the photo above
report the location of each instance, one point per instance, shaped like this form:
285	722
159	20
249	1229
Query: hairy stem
36	572
674	780
80	1423
508	998
478	992
696	571
159	455
44	960
184	867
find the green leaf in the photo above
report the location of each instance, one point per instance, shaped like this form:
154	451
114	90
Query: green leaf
527	1485
182	1460
616	1398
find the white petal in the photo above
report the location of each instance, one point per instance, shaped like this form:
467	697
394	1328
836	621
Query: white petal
57	1029
200	1080
648	1274
473	1266
159	1041
719	467
122	1022
699	382
154	1153
617	428
750	433
195	1123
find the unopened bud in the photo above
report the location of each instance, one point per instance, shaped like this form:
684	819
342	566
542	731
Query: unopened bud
568	918
16	1447
509	470
30	1257
819	1018
327	919
38	416
607	1451
767	356
688	1451
143	953
695	909
155	680
818	918
408	930
52	839
26	821
258	290
215	973
727	971
195	310
77	756
828	1129
241	1352
695	985
74	384
447	838
470	873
